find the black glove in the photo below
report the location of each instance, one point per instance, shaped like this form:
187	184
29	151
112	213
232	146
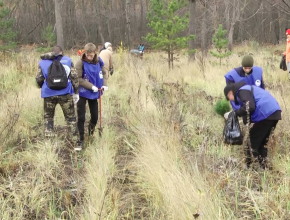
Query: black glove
111	71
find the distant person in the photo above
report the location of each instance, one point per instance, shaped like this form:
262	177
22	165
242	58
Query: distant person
287	52
141	50
107	56
102	48
92	79
59	85
248	73
265	113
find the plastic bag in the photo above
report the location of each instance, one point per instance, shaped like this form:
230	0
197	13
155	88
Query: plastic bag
283	65
232	133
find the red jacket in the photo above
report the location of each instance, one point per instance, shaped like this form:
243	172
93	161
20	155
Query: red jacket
287	52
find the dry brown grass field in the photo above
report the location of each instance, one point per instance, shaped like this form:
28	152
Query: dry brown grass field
161	154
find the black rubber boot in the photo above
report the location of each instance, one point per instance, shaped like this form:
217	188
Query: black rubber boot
48	132
263	162
80	143
91	129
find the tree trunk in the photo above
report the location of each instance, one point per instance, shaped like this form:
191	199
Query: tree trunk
227	13
275	25
231	35
45	9
142	19
192	12
262	21
204	33
99	19
108	18
58	23
128	23
84	11
231	31
171	58
168	53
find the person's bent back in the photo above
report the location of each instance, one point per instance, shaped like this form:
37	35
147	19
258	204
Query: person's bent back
265	113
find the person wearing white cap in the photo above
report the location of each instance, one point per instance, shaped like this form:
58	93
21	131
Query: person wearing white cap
106	55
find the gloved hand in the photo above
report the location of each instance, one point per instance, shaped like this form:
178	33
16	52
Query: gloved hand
95	89
226	115
76	98
111	71
105	88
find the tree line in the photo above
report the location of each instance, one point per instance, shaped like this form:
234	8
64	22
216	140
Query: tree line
263	21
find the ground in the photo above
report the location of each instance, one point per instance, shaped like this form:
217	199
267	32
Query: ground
161	153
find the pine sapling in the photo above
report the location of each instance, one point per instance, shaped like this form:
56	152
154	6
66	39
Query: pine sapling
7	35
220	42
167	26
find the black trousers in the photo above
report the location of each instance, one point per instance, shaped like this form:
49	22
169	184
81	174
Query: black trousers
259	136
81	109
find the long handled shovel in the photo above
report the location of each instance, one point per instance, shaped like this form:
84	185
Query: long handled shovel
100	104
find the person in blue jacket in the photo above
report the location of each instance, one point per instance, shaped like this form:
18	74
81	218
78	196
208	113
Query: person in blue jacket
265	113
66	97
92	78
141	48
248	73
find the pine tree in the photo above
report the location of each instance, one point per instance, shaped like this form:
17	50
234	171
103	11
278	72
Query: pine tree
48	36
167	27
220	42
7	35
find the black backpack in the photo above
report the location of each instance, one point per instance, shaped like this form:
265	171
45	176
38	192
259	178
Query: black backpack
56	77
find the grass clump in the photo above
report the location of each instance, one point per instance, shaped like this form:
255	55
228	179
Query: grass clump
222	106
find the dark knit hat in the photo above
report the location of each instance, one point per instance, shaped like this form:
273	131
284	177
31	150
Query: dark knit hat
234	87
247	61
227	89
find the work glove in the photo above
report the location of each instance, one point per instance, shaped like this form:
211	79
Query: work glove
105	88
111	71
226	115
76	98
95	89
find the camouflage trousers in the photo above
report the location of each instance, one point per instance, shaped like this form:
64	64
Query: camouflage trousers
67	106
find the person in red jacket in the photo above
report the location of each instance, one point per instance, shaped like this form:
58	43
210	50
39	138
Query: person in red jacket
81	52
287	52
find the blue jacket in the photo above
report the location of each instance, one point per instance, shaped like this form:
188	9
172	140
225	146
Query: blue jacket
141	48
45	90
253	79
265	103
93	74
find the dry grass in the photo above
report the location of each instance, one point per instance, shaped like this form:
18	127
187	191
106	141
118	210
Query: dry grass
161	155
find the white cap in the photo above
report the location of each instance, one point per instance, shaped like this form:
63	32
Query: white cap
107	44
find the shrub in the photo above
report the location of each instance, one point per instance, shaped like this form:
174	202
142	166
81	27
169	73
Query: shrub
222	106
